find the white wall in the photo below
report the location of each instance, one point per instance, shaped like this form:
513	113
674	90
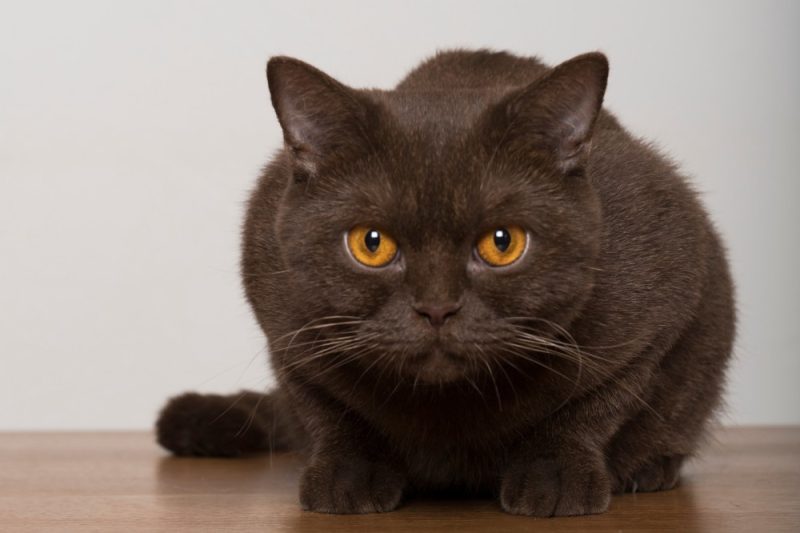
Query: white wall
131	132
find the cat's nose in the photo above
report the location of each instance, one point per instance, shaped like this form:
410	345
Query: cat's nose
437	314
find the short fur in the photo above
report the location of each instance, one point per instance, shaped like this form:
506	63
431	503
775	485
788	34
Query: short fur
592	365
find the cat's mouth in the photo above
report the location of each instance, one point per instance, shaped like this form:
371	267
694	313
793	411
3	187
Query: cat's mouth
437	365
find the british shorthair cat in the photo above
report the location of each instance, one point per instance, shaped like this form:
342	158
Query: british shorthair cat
477	282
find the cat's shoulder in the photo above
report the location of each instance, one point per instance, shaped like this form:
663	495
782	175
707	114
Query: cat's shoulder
472	69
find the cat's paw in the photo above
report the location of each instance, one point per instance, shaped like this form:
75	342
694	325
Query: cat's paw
350	485
549	487
660	473
209	425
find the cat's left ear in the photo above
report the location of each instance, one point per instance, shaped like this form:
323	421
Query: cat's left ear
553	118
321	118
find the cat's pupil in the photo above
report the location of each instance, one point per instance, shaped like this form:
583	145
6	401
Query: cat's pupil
502	239
373	240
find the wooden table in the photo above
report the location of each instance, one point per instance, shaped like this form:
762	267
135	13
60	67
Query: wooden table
748	480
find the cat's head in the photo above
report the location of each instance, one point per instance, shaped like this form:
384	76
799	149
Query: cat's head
442	229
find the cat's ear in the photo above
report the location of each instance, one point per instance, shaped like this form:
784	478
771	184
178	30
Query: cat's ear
321	118
555	115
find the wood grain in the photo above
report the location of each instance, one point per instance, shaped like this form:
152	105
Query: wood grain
748	479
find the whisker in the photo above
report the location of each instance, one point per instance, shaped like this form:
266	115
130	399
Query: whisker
509	380
564	332
350	358
491	375
369	367
332	348
525	356
571	353
474	386
231	406
317	342
310	325
251	417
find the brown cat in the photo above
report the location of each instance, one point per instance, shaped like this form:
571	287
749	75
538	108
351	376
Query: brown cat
476	282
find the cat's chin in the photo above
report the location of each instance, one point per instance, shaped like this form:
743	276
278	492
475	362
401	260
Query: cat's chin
438	367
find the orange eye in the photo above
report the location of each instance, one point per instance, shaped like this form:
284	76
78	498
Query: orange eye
371	247
502	246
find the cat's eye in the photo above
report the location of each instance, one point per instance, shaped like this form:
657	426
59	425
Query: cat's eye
502	246
370	246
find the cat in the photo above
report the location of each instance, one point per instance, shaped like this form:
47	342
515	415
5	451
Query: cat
475	283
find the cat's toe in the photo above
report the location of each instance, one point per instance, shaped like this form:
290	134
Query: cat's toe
545	487
660	473
350	486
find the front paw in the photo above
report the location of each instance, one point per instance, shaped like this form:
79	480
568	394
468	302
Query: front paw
349	485
553	487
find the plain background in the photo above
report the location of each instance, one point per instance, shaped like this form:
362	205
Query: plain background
130	134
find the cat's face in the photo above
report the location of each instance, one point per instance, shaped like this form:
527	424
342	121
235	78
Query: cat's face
446	243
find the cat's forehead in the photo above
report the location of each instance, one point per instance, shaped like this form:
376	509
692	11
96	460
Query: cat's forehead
438	112
447	189
433	170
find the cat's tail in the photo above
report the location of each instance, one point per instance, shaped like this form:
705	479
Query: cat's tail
216	425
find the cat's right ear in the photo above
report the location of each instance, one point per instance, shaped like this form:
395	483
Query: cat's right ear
321	118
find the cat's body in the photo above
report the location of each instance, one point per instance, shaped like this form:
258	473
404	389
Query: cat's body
390	396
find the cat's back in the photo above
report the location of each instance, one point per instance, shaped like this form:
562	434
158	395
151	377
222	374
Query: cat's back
472	69
454	86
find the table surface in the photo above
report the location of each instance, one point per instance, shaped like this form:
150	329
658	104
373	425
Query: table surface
748	479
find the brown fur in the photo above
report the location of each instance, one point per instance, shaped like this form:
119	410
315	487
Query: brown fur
590	366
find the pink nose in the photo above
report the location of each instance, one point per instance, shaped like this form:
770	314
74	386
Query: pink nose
437	314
